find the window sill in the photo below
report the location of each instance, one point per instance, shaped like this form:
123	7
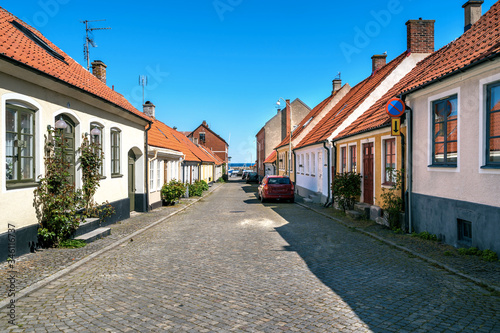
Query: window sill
494	167
449	166
16	186
103	177
117	176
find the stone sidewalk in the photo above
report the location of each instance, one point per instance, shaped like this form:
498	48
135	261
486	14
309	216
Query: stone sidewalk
486	274
34	270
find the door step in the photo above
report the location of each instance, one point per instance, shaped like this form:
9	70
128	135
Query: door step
94	235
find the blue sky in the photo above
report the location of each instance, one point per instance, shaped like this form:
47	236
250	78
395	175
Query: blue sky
228	61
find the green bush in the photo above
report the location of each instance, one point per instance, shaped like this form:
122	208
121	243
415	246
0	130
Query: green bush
72	244
346	188
391	198
486	255
489	255
425	235
196	189
172	191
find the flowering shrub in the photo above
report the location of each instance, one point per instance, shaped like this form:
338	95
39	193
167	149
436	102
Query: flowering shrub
172	191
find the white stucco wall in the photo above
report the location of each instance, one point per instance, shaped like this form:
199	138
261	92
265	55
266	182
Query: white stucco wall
17	204
313	179
468	181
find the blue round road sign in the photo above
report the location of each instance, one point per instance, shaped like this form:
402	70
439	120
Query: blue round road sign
395	107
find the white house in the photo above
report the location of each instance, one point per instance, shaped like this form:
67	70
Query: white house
454	154
40	84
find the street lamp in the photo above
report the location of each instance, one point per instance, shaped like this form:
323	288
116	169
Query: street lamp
291	131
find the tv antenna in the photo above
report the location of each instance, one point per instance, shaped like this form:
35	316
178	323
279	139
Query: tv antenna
338	76
143	81
89	39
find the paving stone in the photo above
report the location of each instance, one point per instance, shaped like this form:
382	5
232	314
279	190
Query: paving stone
277	267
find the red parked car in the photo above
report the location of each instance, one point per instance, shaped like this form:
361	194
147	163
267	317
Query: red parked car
276	187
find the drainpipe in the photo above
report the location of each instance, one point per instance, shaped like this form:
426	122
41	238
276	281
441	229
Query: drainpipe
328	173
295	169
409	134
146	162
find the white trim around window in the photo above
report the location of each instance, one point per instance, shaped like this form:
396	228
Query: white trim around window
482	123
430	100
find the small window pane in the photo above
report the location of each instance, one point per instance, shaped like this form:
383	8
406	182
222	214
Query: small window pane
10	123
495	124
439	153
11	138
11	173
26	123
495	150
26	168
451	154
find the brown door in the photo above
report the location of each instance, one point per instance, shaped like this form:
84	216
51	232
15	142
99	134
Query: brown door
368	173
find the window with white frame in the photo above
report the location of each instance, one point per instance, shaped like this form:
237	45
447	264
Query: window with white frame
115	151
352	159
307	163
313	164
389	146
343	159
151	175
493	125
96	135
445	132
19	145
158	175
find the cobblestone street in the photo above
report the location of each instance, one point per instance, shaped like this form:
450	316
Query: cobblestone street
230	263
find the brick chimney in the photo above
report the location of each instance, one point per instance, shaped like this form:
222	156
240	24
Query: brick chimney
473	12
378	61
204	123
99	70
288	117
337	84
420	36
149	109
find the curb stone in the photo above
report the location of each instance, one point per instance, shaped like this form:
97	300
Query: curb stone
405	249
37	285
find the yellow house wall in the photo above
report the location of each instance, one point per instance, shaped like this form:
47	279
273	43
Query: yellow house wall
377	137
282	167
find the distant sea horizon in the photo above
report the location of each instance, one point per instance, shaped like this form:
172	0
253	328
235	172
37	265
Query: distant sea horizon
240	165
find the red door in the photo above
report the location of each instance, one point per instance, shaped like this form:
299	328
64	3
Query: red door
368	173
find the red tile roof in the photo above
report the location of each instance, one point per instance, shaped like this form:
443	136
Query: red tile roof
313	113
349	103
271	158
478	43
163	136
48	59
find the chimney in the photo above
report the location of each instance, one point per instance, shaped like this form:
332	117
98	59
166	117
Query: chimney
378	61
420	36
337	84
473	12
99	70
205	124
149	109
288	117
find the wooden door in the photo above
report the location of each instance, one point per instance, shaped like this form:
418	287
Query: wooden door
368	151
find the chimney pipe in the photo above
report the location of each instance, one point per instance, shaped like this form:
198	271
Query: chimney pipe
378	61
473	12
420	36
99	70
149	109
337	84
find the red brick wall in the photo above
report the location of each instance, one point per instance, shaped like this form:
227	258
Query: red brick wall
420	36
211	141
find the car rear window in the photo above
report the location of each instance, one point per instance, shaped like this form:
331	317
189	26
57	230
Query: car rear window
279	181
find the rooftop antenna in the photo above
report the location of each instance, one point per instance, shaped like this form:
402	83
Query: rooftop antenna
143	81
338	76
89	39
